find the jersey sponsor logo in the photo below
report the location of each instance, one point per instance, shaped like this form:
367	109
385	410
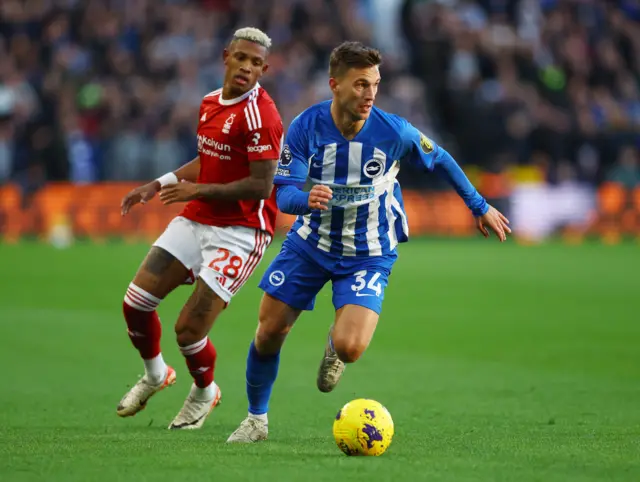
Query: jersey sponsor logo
228	123
213	148
373	168
343	195
276	278
259	149
426	144
285	156
208	142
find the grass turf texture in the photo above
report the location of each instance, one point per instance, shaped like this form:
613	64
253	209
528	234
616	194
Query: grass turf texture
497	362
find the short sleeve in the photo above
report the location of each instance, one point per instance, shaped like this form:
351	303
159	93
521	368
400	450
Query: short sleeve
264	133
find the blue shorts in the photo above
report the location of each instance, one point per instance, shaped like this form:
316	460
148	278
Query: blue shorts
295	277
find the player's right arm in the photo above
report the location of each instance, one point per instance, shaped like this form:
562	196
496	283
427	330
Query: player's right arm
188	172
291	175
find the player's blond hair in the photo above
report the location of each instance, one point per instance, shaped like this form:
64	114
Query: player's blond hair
254	35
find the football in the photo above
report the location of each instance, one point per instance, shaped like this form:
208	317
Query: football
363	427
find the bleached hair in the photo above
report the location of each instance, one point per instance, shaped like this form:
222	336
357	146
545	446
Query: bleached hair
254	35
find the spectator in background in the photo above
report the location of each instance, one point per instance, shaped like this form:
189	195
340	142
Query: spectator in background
113	88
626	171
109	90
554	76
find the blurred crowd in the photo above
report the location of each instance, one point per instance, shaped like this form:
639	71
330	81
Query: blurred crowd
109	89
546	82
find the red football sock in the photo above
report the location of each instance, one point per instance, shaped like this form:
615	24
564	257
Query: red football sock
143	323
201	360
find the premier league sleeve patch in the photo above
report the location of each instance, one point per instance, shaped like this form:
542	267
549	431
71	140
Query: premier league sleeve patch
426	144
285	156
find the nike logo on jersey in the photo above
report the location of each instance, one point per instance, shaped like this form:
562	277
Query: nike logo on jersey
204	117
317	165
364	294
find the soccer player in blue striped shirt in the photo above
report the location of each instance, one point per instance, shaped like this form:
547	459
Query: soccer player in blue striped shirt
337	172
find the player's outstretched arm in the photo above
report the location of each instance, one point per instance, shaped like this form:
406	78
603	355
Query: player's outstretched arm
258	185
424	153
145	193
486	215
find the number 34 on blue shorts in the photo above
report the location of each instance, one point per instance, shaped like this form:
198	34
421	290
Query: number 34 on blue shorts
295	277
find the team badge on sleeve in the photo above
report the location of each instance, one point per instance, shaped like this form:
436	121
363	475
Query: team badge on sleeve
285	157
426	144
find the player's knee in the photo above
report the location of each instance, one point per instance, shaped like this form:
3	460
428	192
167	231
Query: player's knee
271	334
349	351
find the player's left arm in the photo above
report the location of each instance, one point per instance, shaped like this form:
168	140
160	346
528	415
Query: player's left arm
258	185
425	153
262	142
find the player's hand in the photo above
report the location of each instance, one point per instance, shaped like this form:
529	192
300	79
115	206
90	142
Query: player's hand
181	192
319	197
496	221
141	195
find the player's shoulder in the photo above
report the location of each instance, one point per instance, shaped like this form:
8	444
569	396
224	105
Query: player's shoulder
260	103
307	119
262	97
389	120
214	95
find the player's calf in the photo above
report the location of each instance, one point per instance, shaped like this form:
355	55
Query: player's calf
192	328
348	339
159	274
331	367
349	351
275	322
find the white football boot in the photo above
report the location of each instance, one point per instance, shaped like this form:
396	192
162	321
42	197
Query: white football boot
331	368
194	412
136	399
252	429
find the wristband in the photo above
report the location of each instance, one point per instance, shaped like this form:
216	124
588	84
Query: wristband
168	178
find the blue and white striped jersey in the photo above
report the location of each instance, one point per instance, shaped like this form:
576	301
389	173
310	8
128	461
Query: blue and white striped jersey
366	216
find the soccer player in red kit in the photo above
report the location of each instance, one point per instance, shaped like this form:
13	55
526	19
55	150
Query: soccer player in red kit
218	239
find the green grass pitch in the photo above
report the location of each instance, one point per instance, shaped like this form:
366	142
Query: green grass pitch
497	362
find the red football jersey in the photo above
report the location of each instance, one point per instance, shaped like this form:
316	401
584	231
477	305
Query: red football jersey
231	134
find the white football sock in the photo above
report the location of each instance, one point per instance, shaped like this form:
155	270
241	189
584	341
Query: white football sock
204	394
262	417
156	369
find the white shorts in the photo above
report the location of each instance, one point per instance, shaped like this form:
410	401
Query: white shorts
222	257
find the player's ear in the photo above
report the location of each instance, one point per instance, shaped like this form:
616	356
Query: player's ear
265	67
333	84
225	55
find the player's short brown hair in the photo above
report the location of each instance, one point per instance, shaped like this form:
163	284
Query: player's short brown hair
349	55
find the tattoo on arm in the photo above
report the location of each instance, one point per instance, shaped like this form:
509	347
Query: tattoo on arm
189	172
158	261
258	185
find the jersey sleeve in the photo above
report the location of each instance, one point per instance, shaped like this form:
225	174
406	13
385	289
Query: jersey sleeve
423	153
264	131
418	149
293	165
